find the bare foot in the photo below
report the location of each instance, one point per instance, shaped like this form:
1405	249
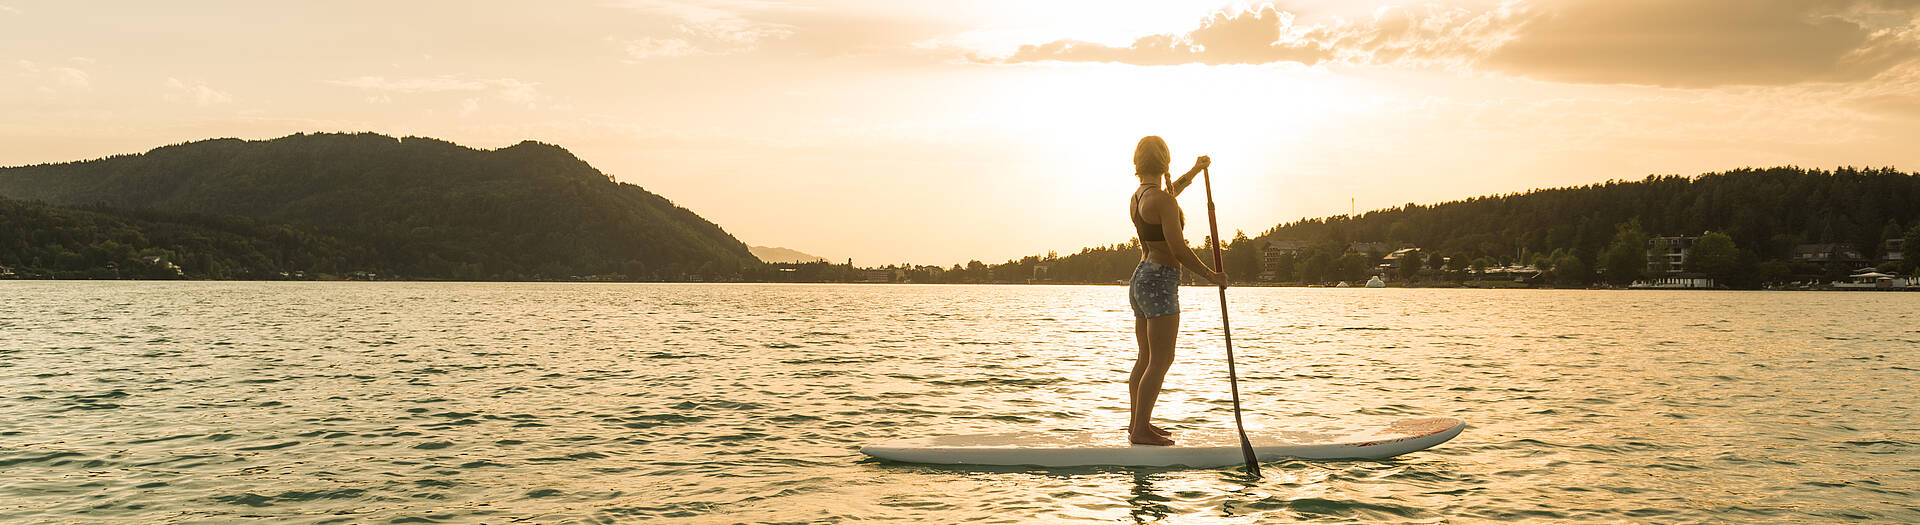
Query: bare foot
1157	430
1148	438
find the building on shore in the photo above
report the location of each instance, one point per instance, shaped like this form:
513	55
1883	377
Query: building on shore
1668	255
1398	258
1678	281
1374	247
1271	253
1893	250
1872	280
1275	249
1512	272
1042	272
1827	253
155	260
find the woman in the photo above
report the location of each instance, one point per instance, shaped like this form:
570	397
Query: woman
1155	291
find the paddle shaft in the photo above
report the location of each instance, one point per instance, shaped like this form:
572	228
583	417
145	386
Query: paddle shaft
1226	329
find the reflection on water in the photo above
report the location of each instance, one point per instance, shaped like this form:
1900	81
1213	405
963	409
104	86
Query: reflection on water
1147	506
663	403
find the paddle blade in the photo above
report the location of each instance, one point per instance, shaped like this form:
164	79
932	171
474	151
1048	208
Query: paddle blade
1253	462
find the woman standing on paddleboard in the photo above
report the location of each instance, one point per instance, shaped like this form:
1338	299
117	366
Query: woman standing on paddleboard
1154	291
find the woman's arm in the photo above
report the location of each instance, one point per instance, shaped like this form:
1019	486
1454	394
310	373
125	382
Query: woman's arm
1181	184
1169	212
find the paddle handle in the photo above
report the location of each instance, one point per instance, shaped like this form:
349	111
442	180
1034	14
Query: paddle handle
1226	329
1213	225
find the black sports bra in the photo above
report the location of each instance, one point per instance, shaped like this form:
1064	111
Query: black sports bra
1147	231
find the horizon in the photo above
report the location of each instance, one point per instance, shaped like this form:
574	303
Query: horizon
1002	130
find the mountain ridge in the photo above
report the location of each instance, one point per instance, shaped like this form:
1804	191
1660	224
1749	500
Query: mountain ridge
774	254
424	207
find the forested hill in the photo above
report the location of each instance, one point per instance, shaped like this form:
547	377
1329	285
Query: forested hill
47	241
1567	231
1766	212
416	207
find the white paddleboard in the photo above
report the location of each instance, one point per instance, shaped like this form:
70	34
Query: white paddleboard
1193	448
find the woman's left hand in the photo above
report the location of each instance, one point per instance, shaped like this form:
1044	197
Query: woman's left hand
1202	163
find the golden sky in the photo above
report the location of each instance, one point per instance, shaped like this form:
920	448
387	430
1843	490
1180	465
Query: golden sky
937	132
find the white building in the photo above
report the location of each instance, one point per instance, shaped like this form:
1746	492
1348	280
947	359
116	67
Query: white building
1669	254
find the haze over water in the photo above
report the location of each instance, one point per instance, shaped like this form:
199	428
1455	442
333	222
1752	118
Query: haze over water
471	402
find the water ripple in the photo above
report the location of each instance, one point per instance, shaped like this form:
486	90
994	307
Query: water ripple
478	402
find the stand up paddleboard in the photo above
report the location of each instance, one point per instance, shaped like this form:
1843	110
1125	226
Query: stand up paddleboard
1193	448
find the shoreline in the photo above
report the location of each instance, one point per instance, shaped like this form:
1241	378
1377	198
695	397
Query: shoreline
1472	285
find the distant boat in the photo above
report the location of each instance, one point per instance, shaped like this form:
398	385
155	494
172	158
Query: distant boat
1343	284
1376	282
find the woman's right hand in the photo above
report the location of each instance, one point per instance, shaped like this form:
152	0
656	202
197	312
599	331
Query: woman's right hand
1218	278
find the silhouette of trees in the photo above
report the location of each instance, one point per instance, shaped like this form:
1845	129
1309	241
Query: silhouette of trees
1625	260
40	240
427	209
411	207
1765	212
1410	266
1715	255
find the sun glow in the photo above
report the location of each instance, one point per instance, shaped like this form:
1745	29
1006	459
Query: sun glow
925	124
1080	121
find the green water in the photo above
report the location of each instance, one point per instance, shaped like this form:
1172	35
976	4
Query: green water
473	402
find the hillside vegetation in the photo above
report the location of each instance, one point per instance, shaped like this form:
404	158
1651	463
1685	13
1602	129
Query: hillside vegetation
410	207
1578	235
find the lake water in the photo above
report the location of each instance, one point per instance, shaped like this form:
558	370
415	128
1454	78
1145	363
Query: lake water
484	402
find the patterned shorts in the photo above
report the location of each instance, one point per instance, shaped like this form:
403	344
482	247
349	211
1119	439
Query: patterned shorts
1155	290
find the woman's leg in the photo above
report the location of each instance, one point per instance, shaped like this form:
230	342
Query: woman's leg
1139	371
1160	335
1139	367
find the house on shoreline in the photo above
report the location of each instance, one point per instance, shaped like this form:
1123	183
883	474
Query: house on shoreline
1873	281
1271	253
1669	255
1370	247
1680	281
1394	261
1827	253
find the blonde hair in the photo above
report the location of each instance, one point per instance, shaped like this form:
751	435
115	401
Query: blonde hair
1151	157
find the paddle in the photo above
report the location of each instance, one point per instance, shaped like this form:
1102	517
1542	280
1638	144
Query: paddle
1213	226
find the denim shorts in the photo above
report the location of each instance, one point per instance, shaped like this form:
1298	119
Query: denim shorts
1155	290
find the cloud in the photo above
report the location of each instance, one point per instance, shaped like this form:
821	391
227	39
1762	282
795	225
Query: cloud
1250	37
1695	43
1705	43
1269	35
646	48
9	9
718	20
510	90
195	92
413	85
52	79
713	28
1895	93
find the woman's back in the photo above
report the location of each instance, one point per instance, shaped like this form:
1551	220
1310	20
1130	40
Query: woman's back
1150	202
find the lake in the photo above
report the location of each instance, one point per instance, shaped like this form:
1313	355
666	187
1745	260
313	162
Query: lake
344	402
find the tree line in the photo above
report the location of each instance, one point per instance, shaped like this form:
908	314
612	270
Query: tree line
1748	221
365	204
414	208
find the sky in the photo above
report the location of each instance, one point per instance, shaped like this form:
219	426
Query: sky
940	132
